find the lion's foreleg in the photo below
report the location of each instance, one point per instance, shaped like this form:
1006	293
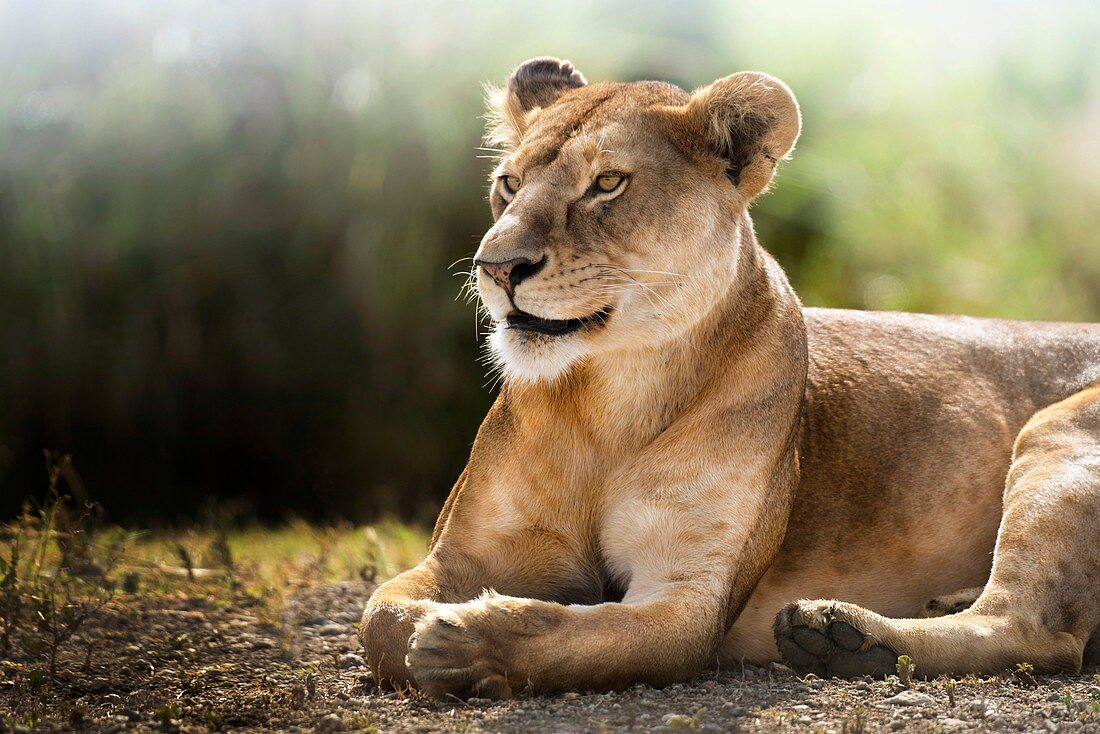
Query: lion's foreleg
497	645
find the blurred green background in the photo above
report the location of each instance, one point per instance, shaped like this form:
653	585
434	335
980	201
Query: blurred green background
226	226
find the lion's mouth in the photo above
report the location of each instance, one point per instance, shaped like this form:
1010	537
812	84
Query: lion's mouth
555	327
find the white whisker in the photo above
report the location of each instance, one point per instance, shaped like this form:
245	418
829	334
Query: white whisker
644	286
643	272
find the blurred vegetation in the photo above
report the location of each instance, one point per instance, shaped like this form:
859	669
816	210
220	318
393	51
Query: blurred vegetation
225	228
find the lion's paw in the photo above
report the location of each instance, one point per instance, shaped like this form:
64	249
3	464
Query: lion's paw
827	638
448	657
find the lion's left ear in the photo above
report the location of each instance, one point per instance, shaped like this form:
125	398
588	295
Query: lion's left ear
751	120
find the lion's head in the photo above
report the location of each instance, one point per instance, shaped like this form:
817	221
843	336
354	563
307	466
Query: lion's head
618	208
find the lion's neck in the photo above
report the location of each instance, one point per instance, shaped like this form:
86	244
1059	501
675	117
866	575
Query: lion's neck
623	400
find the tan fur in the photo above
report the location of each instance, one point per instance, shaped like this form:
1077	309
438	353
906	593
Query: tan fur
649	491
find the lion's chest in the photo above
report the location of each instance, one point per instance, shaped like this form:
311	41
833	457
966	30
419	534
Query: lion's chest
542	540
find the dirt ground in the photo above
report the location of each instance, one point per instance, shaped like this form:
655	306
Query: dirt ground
193	661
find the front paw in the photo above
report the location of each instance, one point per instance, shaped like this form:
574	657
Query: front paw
449	657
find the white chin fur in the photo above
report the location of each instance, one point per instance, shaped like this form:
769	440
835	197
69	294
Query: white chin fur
533	359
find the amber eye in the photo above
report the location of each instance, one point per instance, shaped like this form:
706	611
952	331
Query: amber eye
510	184
609	182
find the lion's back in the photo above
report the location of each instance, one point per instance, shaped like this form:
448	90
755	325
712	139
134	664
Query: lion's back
922	362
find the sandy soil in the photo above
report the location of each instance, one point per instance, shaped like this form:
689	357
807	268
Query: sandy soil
192	662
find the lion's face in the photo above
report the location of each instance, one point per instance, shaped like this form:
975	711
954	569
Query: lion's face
616	210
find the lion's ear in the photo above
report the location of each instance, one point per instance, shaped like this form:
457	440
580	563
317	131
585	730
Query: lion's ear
751	120
536	83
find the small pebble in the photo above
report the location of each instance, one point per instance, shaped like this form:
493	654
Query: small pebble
678	722
351	660
910	697
330	723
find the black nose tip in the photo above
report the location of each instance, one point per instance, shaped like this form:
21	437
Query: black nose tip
510	273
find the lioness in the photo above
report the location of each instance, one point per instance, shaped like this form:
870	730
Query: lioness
680	450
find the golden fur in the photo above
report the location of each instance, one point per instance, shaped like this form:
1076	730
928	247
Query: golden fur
692	450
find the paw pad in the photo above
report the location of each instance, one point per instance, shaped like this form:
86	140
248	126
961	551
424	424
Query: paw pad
839	649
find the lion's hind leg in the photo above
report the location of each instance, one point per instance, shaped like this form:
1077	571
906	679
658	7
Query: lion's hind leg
1042	602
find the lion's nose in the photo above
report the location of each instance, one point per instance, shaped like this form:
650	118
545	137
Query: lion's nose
510	273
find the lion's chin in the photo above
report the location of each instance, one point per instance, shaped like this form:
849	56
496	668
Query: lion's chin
533	357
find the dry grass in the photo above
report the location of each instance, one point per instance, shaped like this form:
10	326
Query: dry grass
291	553
66	581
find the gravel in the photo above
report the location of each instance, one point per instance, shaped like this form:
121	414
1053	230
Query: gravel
191	663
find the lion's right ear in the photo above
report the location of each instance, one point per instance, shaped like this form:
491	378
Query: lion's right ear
534	84
751	120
